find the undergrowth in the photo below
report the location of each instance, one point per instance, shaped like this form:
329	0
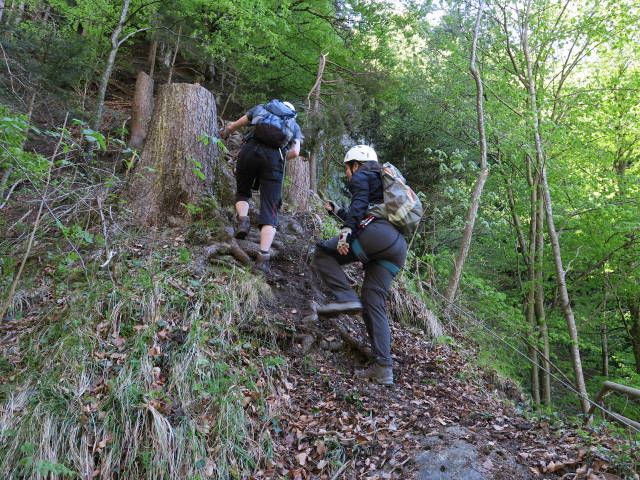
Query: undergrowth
141	373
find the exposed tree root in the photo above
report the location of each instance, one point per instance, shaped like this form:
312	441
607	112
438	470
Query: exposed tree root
350	339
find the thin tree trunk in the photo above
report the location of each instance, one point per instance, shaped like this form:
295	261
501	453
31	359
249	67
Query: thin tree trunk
18	7
2	2
543	327
564	293
553	235
605	350
315	91
175	54
141	110
532	341
456	272
104	82
153	52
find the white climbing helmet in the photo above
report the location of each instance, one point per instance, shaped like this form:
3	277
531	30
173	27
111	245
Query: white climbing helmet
361	153
290	105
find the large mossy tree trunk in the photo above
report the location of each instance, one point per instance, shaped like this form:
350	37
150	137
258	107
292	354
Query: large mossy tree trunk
176	168
297	188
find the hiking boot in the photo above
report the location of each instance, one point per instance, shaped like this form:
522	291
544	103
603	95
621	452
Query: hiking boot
335	309
242	227
262	263
380	373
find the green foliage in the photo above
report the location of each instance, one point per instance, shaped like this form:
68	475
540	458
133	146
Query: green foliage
51	55
14	131
30	466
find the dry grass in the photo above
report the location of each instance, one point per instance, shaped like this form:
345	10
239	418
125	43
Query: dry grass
142	383
407	306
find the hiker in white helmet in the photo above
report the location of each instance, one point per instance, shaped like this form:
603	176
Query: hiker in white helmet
377	244
274	138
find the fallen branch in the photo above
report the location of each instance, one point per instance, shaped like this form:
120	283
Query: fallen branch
342	469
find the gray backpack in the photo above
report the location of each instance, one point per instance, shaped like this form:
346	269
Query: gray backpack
401	206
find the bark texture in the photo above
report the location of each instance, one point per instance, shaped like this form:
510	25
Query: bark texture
168	175
141	111
297	188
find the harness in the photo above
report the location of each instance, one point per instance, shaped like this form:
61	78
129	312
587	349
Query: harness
364	258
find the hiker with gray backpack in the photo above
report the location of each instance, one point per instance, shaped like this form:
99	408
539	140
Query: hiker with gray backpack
382	209
274	138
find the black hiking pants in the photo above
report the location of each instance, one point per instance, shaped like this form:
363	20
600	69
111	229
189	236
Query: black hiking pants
258	162
379	240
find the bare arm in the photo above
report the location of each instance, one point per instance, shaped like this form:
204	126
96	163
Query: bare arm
294	151
233	126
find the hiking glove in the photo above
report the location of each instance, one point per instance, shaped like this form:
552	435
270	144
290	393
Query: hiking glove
332	207
343	240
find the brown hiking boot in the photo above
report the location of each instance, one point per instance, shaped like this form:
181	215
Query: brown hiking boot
242	227
262	263
380	373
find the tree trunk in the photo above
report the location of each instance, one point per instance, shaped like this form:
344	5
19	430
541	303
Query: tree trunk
456	272
175	167
533	335
175	54
605	350
296	190
141	110
315	91
153	51
564	295
634	330
541	318
2	2
18	8
104	81
553	235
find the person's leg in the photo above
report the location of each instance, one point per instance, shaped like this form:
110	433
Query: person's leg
375	288
246	172
271	175
267	234
329	262
242	208
380	239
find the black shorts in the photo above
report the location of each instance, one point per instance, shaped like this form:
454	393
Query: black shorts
265	164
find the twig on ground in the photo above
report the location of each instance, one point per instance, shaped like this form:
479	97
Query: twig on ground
342	469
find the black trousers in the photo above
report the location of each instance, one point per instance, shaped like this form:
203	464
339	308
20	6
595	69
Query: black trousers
379	240
257	162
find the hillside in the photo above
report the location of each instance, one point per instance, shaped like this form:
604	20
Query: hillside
173	361
129	352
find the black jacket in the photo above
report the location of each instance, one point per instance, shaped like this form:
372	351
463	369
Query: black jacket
366	189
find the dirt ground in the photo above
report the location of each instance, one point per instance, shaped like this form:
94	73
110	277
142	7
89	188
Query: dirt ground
441	420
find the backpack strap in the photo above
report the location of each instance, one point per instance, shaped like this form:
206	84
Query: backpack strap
362	256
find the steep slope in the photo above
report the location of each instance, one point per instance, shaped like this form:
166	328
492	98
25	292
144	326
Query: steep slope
443	419
172	360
